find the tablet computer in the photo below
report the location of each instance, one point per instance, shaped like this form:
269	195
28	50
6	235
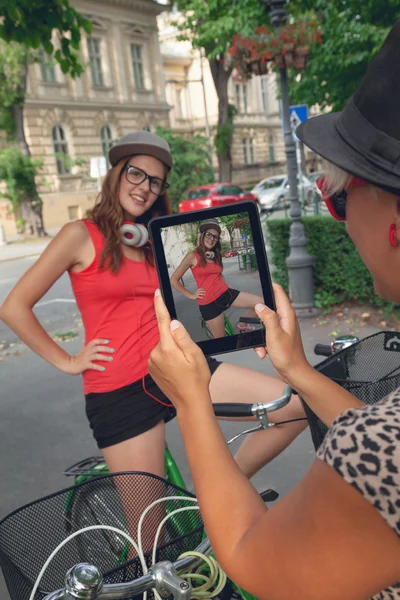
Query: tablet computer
213	269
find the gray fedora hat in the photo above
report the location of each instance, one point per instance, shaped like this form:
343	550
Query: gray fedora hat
364	139
141	142
210	224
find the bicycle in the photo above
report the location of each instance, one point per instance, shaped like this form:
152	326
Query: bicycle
368	368
92	499
229	328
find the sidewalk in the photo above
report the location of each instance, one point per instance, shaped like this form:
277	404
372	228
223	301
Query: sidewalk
17	250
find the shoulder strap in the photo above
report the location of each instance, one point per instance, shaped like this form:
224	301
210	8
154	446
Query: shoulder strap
97	238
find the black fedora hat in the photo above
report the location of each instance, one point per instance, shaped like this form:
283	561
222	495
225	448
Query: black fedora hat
364	139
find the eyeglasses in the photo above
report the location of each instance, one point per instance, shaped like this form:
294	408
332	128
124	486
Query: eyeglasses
336	203
137	176
211	236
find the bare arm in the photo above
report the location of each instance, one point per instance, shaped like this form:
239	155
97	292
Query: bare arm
188	262
323	540
63	253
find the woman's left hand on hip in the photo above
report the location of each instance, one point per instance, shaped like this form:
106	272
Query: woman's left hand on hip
177	364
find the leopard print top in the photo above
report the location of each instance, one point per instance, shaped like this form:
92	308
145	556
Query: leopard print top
363	446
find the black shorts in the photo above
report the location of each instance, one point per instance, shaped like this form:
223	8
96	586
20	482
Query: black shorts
127	412
222	303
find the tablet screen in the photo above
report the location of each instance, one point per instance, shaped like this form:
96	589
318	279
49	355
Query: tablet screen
213	271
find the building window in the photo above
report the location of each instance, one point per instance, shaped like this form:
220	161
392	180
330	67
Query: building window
252	161
95	61
60	150
47	67
73	213
137	65
237	96
271	148
264	93
244	94
106	141
241	97
245	151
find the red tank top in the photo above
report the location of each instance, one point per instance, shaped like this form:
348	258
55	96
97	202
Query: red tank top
210	279
117	307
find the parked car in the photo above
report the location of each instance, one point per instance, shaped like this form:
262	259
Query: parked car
231	253
273	192
216	194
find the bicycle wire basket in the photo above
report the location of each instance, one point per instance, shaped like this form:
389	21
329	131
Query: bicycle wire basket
30	534
369	369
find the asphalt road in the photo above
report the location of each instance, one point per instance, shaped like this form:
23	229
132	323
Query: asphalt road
43	427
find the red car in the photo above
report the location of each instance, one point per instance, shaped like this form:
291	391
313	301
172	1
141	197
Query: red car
230	253
215	194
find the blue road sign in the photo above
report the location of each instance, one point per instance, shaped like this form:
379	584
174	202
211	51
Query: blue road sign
298	114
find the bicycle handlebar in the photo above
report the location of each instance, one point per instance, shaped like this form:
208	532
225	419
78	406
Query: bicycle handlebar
252	320
323	350
87	579
228	409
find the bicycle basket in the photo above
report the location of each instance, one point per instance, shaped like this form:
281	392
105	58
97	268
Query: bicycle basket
369	369
30	534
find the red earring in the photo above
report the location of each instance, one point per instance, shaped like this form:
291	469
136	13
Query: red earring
392	236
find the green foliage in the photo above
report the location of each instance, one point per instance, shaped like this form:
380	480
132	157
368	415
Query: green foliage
253	261
31	23
352	34
339	273
223	137
191	164
19	171
212	24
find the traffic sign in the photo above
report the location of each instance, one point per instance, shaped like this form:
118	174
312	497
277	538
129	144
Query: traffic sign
298	114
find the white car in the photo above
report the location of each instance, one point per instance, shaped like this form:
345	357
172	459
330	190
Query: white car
274	191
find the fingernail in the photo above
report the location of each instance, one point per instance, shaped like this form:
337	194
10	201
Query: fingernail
175	325
259	307
156	293
103	368
110	358
106	341
259	354
111	350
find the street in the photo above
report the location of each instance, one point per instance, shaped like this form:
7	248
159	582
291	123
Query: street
43	425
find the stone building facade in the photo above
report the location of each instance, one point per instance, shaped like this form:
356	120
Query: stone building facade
68	122
258	148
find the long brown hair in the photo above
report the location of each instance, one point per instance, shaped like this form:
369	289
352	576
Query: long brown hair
201	249
108	215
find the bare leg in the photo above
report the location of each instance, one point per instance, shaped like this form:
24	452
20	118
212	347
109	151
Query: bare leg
216	326
142	453
238	384
246	300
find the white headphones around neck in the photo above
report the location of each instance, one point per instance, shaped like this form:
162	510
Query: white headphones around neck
210	254
133	234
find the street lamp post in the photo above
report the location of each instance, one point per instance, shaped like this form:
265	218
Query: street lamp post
299	262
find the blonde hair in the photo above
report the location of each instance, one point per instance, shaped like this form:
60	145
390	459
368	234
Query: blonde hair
336	179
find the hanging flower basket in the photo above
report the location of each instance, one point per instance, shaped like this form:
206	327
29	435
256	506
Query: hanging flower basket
301	57
287	47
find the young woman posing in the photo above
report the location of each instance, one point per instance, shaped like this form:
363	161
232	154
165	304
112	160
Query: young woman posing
114	285
213	294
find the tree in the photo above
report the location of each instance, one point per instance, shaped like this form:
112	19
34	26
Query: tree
352	31
27	25
191	164
211	26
